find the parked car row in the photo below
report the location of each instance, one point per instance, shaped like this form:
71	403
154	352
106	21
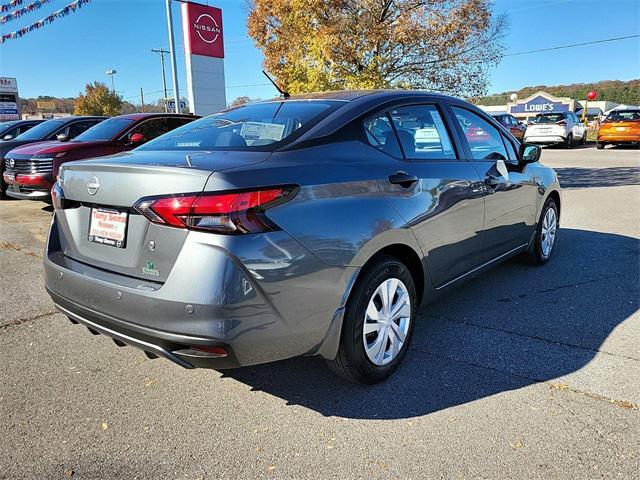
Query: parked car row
29	161
620	127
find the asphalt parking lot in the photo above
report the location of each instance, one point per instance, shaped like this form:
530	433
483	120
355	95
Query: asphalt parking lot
525	372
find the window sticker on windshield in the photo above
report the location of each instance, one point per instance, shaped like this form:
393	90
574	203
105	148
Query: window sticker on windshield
442	131
262	131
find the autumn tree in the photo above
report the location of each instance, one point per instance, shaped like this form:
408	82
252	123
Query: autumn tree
242	100
443	45
97	100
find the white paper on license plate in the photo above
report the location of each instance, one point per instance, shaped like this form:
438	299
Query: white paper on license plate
108	227
620	129
11	177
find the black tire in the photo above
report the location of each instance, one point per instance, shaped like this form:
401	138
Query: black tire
583	140
599	145
352	362
535	253
3	185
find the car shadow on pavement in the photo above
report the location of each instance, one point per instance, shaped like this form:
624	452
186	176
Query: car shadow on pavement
513	326
598	177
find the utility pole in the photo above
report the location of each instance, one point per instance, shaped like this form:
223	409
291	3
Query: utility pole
142	99
162	53
172	51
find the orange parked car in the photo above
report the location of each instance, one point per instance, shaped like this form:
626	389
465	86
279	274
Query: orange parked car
620	127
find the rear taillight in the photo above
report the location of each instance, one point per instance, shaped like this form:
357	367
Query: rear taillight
561	122
228	213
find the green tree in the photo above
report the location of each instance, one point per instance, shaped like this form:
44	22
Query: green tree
97	100
444	45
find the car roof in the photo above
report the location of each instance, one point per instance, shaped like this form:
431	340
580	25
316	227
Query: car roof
142	116
351	95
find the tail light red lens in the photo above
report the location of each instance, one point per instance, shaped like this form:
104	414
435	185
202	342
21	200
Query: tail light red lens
562	122
228	213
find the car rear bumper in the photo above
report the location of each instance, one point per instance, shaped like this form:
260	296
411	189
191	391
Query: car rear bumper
618	138
545	139
213	298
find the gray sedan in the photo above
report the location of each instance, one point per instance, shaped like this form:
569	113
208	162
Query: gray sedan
311	225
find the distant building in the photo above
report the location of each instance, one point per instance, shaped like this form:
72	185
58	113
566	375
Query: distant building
541	102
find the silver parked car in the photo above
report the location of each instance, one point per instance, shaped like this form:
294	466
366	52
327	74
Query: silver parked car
313	225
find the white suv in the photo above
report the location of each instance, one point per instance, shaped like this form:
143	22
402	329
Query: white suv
563	128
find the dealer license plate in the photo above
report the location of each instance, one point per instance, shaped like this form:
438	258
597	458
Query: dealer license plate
108	227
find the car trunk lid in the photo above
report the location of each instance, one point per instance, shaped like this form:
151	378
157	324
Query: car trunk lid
104	191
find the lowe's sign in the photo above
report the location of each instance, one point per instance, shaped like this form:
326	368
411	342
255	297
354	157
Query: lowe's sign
540	104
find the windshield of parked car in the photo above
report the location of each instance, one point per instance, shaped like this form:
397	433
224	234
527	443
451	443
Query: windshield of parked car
623	116
549	118
41	131
105	130
257	126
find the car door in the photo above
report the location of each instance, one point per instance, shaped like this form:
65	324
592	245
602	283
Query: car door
436	192
509	188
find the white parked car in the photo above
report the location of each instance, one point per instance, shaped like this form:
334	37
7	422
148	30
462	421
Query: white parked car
563	128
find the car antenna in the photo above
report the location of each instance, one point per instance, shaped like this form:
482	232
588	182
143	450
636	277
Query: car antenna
282	92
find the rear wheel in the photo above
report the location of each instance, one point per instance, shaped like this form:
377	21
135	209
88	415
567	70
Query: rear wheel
378	323
599	145
545	238
583	140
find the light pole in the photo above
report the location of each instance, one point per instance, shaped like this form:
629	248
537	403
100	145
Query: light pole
172	51
162	53
111	72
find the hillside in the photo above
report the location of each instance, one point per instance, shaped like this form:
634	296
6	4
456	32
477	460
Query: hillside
612	90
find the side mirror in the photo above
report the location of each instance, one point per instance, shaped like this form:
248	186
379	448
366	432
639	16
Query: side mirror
137	138
63	137
7	137
530	153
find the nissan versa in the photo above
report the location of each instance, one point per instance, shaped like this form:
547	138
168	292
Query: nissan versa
312	225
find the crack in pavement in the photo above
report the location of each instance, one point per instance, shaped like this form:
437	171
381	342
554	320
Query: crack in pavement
626	404
559	287
532	337
21	321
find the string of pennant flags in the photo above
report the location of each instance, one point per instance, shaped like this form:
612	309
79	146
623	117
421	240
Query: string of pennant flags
5	7
22	11
63	12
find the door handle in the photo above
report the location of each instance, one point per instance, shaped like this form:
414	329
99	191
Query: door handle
403	179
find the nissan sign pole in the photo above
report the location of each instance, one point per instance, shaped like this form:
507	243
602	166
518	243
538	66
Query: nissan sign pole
172	49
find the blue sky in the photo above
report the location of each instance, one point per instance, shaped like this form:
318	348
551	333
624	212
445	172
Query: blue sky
61	57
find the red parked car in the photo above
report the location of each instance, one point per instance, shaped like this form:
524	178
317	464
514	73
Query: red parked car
31	170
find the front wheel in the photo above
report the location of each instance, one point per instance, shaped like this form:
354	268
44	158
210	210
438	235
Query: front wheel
378	323
545	237
583	140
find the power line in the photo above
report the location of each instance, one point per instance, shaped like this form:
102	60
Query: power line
572	45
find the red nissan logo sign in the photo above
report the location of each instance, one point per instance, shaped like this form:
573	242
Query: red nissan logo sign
207	28
202	29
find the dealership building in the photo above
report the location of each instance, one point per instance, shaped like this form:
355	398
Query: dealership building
541	102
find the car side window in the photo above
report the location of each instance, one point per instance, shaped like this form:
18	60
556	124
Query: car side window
151	129
173	123
77	128
380	135
485	141
422	133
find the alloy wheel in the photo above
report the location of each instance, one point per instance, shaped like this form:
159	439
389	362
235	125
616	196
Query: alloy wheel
386	322
548	233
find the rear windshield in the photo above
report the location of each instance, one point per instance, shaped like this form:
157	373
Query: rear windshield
105	130
624	116
41	131
259	126
549	118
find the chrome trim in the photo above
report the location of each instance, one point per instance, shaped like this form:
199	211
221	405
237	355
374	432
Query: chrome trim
134	342
479	267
